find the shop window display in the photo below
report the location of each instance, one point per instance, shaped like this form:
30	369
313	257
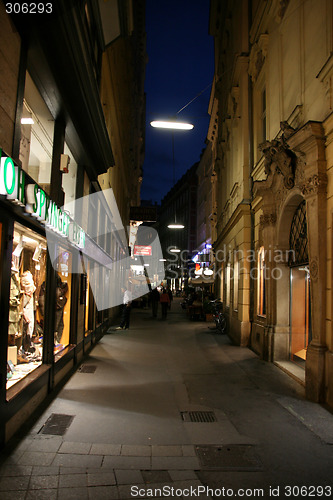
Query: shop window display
25	324
63	301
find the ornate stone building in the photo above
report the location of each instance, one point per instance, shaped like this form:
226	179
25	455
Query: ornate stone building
273	85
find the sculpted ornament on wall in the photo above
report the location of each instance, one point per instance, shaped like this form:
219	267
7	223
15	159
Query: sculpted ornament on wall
280	159
314	184
314	268
267	220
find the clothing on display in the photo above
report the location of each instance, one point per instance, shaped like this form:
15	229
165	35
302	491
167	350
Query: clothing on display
61	300
14	306
28	289
28	271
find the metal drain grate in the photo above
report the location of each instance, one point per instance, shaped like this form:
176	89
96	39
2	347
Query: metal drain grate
198	416
232	457
87	369
57	424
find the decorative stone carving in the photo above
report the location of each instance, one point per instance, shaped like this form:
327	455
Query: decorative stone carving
283	4
257	56
282	159
314	268
267	220
287	129
315	184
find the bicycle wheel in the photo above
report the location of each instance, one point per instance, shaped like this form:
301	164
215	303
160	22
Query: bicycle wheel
221	324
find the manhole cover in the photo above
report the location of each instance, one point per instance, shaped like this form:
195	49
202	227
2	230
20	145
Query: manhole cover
198	416
228	457
87	369
57	424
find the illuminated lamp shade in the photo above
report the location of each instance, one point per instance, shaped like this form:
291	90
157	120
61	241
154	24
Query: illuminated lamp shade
27	121
208	272
172	125
176	226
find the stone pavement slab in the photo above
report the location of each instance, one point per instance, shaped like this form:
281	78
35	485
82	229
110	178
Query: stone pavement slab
129	476
126	462
73	447
135	450
167	451
105	449
74	460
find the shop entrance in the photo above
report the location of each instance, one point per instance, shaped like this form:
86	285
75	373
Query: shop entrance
300	301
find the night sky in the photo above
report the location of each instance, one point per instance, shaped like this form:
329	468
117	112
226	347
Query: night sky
180	65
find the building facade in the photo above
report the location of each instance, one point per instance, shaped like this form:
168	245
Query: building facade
273	88
55	142
205	208
179	206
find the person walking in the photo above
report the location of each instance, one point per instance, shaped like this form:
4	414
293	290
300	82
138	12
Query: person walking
165	301
126	312
155	298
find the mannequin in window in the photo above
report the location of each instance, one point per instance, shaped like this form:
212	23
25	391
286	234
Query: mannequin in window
61	291
14	305
28	289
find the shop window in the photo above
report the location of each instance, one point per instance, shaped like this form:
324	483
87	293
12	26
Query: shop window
236	281
261	283
300	298
86	314
89	303
37	128
63	300
26	304
69	181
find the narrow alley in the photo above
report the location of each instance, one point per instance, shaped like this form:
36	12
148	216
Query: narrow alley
170	408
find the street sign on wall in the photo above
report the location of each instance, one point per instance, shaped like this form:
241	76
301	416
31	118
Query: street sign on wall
140	250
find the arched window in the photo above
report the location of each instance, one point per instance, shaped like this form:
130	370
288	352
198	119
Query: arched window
298	240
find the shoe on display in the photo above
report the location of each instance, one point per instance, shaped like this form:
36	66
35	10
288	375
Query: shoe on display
22	358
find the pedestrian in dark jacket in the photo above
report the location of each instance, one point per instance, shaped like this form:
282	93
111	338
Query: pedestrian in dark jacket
165	301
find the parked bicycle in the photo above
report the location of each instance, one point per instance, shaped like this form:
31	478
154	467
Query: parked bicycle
220	318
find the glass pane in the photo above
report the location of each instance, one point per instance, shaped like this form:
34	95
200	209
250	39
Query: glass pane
300	314
26	304
37	127
63	300
69	180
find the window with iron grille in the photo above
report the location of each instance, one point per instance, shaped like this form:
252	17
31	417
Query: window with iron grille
298	239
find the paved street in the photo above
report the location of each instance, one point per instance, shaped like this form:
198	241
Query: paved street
132	431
